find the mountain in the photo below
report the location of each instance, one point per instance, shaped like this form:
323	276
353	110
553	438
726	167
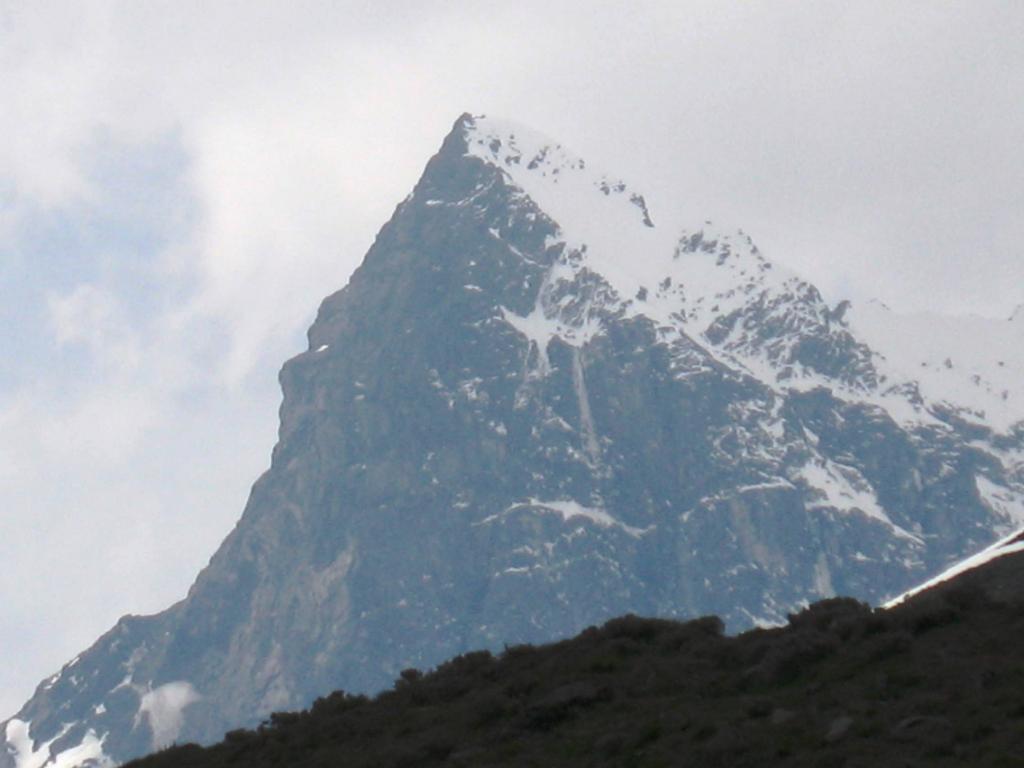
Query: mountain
934	681
537	406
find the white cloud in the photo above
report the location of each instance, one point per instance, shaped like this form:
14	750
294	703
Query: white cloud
91	315
164	709
107	427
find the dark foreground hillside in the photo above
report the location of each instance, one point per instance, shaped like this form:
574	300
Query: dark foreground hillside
938	681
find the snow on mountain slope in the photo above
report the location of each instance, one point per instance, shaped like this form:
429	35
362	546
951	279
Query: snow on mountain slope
712	286
658	270
747	311
26	754
972	364
679	278
1007	546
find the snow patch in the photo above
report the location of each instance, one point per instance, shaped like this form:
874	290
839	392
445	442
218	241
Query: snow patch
22	751
770	485
844	489
549	320
540	329
126	682
1006	546
569	509
1003	501
974	364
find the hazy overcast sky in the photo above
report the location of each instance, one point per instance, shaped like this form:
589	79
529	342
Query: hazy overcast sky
182	182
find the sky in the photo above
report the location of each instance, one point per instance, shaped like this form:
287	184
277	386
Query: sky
181	183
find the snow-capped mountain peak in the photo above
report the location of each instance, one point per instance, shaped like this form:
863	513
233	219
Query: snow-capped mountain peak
606	228
562	183
713	283
678	277
602	224
531	409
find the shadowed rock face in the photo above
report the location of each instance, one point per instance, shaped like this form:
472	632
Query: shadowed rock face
491	441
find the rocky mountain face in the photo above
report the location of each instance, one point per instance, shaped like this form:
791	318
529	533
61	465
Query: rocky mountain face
535	407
